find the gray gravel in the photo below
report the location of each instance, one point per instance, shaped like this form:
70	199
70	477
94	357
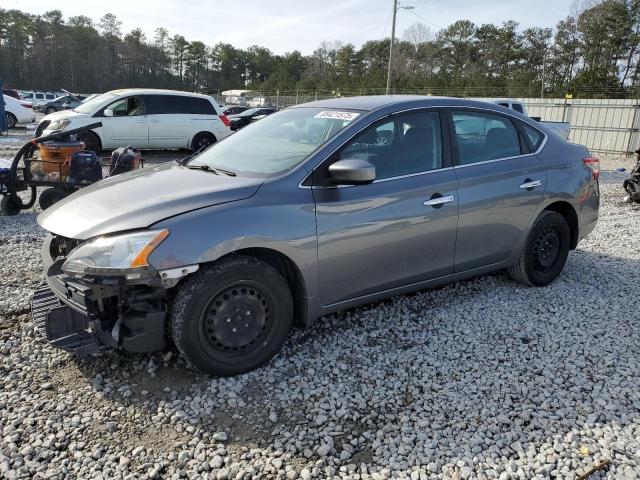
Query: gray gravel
479	379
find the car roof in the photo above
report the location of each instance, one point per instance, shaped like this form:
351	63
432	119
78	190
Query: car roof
374	102
156	91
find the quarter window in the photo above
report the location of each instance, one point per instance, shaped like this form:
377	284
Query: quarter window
535	136
482	136
408	143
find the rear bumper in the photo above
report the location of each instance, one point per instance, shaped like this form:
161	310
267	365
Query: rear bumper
79	316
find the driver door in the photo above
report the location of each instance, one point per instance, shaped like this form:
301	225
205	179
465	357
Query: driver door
128	125
388	234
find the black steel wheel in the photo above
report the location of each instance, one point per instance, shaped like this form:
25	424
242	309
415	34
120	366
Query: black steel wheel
201	141
545	252
11	120
232	316
91	141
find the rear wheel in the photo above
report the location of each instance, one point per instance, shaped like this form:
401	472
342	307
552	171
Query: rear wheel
11	120
233	316
91	141
545	252
201	141
50	196
9	206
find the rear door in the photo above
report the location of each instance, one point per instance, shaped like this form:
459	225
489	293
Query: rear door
501	185
398	230
127	126
168	120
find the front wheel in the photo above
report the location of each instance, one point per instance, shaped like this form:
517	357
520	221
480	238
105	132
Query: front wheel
232	316
546	251
50	110
91	141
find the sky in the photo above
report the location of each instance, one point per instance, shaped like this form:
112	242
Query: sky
286	25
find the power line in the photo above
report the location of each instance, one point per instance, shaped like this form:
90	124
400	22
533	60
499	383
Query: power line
425	20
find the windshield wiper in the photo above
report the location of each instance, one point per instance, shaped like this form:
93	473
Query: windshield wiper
227	172
203	167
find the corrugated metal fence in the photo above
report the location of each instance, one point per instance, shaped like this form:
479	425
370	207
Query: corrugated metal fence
605	126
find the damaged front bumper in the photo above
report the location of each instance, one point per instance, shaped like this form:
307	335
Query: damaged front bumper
80	314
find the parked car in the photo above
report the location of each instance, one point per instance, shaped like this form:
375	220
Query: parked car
143	118
245	118
563	129
234	109
259	102
73	104
15	112
59	103
38	97
303	214
11	92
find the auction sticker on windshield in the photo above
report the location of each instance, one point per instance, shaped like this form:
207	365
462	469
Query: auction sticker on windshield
348	116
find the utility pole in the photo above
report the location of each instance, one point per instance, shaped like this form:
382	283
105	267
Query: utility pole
393	39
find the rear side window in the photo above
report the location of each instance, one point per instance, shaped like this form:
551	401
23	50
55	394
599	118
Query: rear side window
535	136
177	104
484	136
518	108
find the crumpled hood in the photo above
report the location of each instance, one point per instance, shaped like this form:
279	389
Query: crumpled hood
141	198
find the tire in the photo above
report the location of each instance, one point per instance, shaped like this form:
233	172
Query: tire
11	120
91	141
201	141
8	206
51	196
545	253
50	110
224	345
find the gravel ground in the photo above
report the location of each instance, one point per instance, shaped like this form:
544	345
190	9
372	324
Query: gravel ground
479	379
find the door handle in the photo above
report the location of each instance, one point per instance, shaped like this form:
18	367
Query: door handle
141	121
437	202
530	184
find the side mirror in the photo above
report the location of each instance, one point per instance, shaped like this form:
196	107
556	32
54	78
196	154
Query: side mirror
352	171
108	112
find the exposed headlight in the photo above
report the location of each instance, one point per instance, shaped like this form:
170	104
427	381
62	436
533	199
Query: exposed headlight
59	124
117	255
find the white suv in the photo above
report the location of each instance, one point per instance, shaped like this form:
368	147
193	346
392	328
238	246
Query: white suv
143	118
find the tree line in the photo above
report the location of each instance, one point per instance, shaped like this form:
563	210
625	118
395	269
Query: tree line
593	52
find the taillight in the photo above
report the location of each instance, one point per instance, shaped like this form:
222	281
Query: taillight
225	120
594	164
27	105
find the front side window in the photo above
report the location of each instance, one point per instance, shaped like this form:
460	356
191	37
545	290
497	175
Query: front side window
127	107
408	143
278	143
483	136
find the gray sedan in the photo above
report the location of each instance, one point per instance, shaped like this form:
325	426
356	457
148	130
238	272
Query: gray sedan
314	209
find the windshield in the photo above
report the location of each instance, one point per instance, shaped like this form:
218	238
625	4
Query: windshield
90	106
276	143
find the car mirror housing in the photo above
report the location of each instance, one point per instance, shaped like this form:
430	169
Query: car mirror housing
352	171
108	112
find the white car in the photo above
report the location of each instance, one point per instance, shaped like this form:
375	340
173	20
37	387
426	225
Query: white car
143	118
15	112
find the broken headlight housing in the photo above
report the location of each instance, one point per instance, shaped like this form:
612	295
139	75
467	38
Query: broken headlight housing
115	255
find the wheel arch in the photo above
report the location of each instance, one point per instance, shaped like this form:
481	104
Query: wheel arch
288	269
569	213
202	132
